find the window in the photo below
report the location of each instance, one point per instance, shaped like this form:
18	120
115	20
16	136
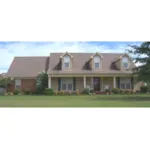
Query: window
97	62
125	83
122	86
64	87
66	61
128	86
67	84
18	84
125	62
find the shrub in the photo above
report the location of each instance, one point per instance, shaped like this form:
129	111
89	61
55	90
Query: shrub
16	91
128	91
144	89
61	93
107	91
115	90
41	82
86	91
122	91
55	92
92	91
77	92
49	91
27	92
67	93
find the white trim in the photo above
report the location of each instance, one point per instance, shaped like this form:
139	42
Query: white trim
114	82
84	82
49	82
96	54
66	53
68	60
97	59
128	62
18	83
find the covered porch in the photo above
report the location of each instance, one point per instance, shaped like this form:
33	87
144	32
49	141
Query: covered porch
97	83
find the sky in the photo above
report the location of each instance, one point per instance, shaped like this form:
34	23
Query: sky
8	50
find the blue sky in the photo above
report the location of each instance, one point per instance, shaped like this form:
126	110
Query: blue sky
8	50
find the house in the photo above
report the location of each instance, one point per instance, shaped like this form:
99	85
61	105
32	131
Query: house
71	71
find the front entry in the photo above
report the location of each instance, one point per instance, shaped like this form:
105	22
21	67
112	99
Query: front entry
96	81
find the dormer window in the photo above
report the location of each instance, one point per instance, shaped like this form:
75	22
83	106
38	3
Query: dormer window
125	62
96	62
66	61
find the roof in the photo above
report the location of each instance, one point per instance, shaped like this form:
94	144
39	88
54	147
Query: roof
80	59
31	66
27	66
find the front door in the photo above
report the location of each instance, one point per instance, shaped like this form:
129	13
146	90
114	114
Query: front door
96	83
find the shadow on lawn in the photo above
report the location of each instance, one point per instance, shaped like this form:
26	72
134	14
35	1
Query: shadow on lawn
124	98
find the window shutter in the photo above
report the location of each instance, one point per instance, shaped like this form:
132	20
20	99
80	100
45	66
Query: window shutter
59	84
132	83
74	84
118	82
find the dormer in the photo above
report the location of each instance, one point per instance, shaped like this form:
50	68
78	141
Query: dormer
123	62
66	59
96	61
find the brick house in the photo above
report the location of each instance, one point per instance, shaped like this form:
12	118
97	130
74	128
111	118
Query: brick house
71	71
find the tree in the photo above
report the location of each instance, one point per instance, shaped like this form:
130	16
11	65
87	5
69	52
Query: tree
141	55
41	82
4	81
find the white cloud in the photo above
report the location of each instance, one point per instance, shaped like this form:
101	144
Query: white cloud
10	50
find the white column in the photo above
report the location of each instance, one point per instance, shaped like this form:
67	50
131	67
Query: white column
49	82
114	79
84	81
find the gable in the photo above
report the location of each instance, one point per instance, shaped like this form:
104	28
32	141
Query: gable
28	66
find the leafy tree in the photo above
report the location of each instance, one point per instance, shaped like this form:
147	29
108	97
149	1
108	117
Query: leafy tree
141	55
4	81
41	82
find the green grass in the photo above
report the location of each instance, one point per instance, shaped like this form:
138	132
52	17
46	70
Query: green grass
76	101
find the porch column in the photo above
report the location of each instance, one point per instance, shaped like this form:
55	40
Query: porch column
84	81
49	82
114	79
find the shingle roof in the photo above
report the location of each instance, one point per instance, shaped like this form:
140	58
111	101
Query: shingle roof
27	66
31	66
79	60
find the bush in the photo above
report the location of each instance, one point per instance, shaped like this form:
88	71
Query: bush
49	91
92	91
122	91
27	92
115	90
55	93
41	82
128	91
16	91
86	91
107	91
77	92
67	93
61	93
144	89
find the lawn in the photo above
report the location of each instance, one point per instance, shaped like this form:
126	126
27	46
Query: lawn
76	101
